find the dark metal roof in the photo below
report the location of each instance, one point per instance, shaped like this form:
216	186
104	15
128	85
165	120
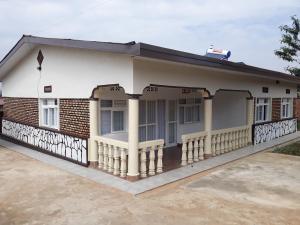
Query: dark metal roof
150	51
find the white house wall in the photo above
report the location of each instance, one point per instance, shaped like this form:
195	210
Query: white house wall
72	73
148	72
229	109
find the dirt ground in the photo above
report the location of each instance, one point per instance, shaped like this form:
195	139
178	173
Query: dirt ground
261	189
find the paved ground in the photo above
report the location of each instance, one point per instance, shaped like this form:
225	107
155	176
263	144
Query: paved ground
261	189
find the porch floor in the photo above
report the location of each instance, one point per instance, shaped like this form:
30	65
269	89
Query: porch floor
154	181
171	158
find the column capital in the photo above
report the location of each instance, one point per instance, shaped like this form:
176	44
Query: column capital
133	96
209	97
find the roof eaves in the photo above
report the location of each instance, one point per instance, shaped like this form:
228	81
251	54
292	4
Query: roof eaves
157	52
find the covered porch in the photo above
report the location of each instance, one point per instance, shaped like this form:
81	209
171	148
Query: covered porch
166	127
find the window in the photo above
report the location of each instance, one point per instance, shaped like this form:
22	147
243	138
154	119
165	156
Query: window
147	120
262	110
112	116
189	110
286	108
49	113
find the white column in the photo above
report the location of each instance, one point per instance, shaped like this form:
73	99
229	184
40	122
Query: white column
93	148
250	117
133	137
207	126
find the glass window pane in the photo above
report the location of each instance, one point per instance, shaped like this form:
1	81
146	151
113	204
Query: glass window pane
181	115
151	132
151	112
142	133
172	110
51	117
172	133
105	121
118	120
265	115
182	101
197	100
197	113
142	112
119	103
188	114
106	103
45	116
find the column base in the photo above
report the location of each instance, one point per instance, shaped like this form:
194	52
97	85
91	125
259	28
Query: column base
93	164
132	178
207	156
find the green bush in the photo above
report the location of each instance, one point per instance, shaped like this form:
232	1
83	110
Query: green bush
292	149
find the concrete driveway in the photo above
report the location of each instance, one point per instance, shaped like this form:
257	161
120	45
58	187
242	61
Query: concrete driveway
261	189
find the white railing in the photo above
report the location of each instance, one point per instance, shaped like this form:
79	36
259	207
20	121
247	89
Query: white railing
222	141
193	147
147	167
226	140
112	155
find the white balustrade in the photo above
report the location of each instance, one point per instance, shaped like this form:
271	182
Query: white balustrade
155	163
229	139
112	155
192	147
222	141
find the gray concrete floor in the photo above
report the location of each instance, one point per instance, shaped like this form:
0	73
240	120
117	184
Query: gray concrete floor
260	189
151	182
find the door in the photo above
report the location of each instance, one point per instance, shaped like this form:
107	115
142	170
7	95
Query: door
172	122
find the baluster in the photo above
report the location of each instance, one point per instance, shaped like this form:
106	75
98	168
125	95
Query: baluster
240	138
110	158
243	138
159	166
152	159
123	162
222	143
196	150
229	142
116	161
105	154
183	156
218	144
225	142
100	155
213	145
246	137
201	148
190	151
233	140
143	167
236	140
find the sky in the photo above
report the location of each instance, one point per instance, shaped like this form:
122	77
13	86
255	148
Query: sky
248	28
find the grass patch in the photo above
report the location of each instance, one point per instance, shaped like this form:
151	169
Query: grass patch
292	149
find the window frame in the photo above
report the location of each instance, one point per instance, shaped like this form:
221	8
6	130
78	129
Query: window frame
146	123
268	107
289	105
113	109
42	107
183	104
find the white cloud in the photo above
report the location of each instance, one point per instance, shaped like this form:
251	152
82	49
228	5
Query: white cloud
248	28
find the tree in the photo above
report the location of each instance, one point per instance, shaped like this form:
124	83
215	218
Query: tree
290	49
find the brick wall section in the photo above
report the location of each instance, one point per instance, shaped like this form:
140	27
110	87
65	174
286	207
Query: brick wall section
296	108
22	110
276	109
74	117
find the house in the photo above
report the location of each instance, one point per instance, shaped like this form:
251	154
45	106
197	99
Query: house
130	109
